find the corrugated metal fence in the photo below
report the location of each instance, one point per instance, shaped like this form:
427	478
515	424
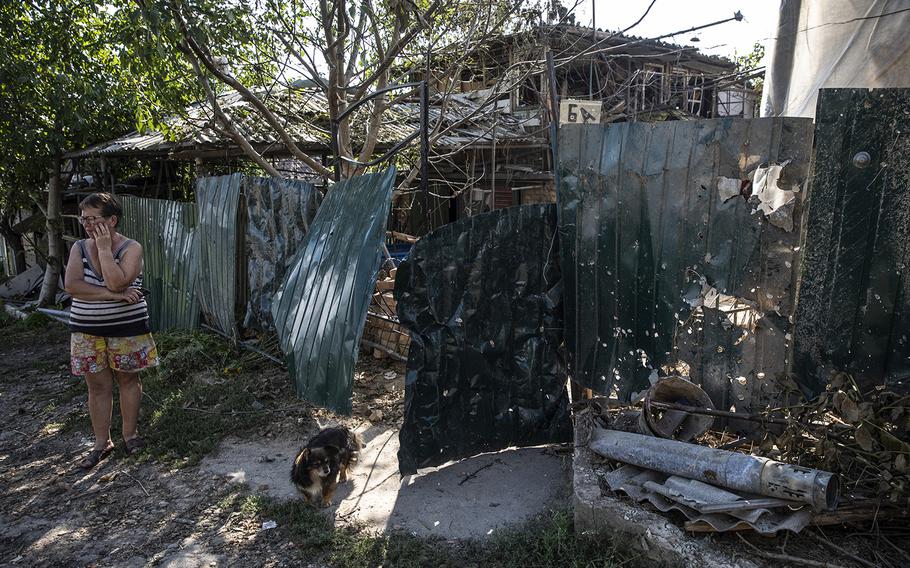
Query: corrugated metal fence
854	301
321	307
655	220
166	230
218	234
279	213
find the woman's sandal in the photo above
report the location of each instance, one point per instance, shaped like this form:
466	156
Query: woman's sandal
134	445
95	456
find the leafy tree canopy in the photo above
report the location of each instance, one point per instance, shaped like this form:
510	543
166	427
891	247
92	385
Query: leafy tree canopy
61	87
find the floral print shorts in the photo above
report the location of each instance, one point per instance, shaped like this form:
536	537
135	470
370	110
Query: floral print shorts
91	353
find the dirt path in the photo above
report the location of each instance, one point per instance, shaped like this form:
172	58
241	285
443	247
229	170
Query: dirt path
119	514
129	512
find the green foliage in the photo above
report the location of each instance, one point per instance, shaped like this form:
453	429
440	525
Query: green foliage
230	31
202	391
32	322
751	60
61	87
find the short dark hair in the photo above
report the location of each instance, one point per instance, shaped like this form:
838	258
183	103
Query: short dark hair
106	202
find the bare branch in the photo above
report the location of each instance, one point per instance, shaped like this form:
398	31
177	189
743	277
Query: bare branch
394	49
205	59
227	126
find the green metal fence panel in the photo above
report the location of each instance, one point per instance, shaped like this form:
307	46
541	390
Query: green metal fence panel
278	215
321	307
166	230
853	310
656	221
482	301
217	234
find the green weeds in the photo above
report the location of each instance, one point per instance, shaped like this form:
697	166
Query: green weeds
546	541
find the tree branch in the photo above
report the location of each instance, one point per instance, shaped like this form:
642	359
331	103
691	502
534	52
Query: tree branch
392	52
205	59
228	128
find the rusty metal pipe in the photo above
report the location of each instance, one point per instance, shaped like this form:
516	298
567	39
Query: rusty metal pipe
731	470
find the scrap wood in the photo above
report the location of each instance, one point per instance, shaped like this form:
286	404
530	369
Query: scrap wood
747	504
402	236
842	550
787	557
845	514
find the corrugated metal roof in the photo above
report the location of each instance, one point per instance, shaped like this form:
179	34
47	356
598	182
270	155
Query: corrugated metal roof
617	39
672	493
321	307
304	111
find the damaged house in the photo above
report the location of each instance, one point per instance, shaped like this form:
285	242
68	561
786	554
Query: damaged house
496	149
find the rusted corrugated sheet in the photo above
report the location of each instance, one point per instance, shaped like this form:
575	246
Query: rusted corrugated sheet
320	309
217	234
690	497
665	258
279	211
854	300
166	230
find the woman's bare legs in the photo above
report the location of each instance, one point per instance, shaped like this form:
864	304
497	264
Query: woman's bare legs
130	397
101	405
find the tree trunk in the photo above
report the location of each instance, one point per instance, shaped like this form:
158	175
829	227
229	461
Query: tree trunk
13	244
55	246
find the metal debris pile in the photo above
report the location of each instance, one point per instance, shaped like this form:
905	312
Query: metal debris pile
841	457
863	437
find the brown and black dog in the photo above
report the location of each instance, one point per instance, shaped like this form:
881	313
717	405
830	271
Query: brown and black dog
324	463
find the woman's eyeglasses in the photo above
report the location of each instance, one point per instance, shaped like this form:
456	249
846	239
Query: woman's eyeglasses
92	219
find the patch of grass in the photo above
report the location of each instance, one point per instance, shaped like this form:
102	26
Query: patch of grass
185	418
549	540
32	322
34	327
233	498
202	390
52	427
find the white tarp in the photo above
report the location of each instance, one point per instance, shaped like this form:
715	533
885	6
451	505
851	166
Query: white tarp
835	43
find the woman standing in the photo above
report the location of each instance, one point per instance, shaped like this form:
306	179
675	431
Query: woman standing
109	320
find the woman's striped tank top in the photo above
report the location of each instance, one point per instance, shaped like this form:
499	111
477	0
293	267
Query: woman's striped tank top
108	318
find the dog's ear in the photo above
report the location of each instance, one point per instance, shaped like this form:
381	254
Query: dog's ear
302	456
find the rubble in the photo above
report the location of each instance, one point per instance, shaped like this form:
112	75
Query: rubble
768	483
754	475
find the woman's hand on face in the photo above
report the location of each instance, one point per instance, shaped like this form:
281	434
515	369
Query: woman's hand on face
130	295
102	236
